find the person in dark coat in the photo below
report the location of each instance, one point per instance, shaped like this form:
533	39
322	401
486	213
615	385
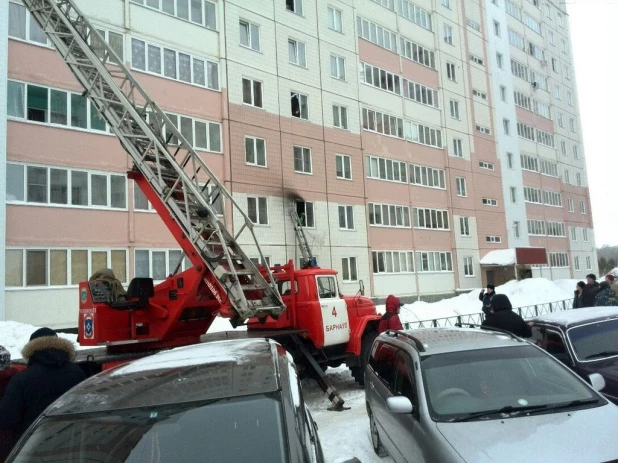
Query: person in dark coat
485	298
7	371
504	318
578	299
606	296
50	373
390	320
590	291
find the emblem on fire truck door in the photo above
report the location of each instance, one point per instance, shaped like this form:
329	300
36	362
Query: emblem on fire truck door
88	326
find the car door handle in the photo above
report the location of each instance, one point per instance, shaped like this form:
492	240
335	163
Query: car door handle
371	385
323	305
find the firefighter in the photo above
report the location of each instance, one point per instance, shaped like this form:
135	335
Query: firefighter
390	320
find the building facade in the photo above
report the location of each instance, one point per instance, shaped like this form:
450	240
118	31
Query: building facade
415	137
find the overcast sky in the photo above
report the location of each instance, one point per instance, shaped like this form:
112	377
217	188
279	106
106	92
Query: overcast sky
593	22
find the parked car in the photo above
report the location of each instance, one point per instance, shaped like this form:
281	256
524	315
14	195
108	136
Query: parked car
227	401
470	395
585	340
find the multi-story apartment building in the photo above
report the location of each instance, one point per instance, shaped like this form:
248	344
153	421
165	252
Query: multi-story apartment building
415	137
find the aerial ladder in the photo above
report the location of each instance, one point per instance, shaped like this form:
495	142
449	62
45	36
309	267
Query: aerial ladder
307	258
173	177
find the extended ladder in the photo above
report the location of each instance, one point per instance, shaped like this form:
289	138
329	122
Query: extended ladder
303	244
177	175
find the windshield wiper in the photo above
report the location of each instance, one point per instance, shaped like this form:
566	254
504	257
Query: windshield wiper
574	403
504	410
605	353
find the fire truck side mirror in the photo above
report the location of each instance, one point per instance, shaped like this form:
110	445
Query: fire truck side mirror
361	287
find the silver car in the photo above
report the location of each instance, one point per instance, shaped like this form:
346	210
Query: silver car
469	395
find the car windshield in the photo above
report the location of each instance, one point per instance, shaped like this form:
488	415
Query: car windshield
595	340
225	430
459	384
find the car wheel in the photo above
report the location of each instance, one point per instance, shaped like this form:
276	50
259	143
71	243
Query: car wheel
378	448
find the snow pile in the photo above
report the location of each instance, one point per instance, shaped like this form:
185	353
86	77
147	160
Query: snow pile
500	257
521	293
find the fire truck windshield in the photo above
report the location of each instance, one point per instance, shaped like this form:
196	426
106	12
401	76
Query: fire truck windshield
224	430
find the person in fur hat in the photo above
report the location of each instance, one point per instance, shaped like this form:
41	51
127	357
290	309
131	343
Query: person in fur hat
51	372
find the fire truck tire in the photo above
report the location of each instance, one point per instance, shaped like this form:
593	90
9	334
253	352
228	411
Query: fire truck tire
358	372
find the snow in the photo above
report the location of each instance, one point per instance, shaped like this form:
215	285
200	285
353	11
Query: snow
500	257
522	293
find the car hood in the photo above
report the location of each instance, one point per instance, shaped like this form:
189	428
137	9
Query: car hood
581	435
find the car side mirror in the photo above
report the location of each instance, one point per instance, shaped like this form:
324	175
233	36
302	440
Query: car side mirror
361	287
400	405
597	381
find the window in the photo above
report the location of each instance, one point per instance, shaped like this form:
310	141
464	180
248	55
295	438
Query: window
424	135
542	109
482	129
447	34
497	30
552	198
536	227
65	187
493	239
516	40
490	202
551	37
588	263
461	186
202	135
252	92
509	160
346	217
257	261
560	119
386	169
343	165
556	229
295	6
302	160
389	215
457	147
427	176
420	93
571	205
567	176
434	261
335	21
50	106
413	13
480	94
299	106
573	234
255	151
500	60
578	179
570	98
516	229
337	67
531	23
468	268
249	35
377	35
563	147
564	46
454	109
582	207
502	92
513	191
113	39
522	100
536	51
375	121
576	262
572	124
450	72
486	165
158	263
297	53
513	9
380	78
585	234
506	125
476	59
202	12
473	24
417	53
575	152
22	25
557	92
348	265
533	195
464	226
549	168
173	64
392	261
446	3
257	210
519	70
558	259
340	117
306	213
435	219
60	267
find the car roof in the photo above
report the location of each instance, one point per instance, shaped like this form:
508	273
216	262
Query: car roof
443	340
574	317
199	372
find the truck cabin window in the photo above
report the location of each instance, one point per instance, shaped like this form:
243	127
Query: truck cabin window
327	288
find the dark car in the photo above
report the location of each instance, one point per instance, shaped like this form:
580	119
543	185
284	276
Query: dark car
228	401
586	340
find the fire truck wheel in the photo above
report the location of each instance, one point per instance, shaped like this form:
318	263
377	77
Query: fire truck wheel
358	372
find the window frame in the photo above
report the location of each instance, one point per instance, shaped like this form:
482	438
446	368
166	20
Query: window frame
347	210
255	151
341	110
249	44
343	158
169	264
346	264
303	151
468	265
252	83
296	43
334	19
257	210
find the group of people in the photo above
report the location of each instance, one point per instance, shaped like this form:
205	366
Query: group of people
595	294
25	392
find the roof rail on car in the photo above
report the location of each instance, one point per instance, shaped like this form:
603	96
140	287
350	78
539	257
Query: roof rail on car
498	330
417	342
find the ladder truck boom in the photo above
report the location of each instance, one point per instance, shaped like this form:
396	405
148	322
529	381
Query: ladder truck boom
173	177
301	237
